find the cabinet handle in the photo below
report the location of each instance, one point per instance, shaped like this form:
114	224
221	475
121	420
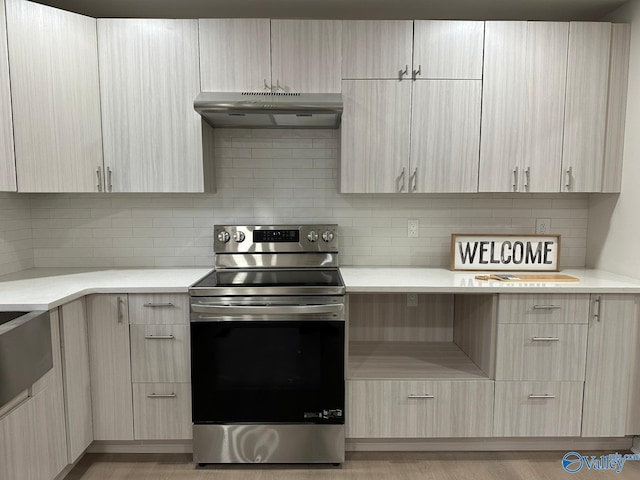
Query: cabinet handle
159	337
411	395
401	177
120	312
413	180
402	73
527	172
154	305
569	173
596	309
515	179
161	395
267	87
417	72
546	307
109	184
545	339
99	174
542	396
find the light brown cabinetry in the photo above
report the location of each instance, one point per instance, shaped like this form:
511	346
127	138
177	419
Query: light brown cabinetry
160	366
549	90
7	155
110	367
55	98
77	381
411	126
32	434
149	77
262	55
609	357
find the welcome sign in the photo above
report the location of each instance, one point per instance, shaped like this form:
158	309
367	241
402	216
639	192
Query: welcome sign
539	253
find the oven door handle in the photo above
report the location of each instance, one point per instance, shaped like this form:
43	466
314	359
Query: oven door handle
268	309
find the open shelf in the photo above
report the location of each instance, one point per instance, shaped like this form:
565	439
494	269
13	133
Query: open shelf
410	360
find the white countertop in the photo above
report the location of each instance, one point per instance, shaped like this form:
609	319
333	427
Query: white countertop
440	280
46	288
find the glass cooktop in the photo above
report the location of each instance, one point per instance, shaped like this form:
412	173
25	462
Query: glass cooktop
271	278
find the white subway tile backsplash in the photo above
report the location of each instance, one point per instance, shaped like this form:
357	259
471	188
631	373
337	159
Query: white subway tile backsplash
269	176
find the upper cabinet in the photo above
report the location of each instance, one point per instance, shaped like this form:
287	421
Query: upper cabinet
376	49
55	97
411	126
7	157
447	49
302	56
552	93
235	54
149	78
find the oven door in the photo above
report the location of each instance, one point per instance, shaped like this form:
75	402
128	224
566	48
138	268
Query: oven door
267	360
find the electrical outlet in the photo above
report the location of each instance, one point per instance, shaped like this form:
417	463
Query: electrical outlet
413	228
412	299
543	225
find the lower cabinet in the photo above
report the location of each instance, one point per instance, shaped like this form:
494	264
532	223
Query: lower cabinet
537	409
419	409
162	411
110	367
33	442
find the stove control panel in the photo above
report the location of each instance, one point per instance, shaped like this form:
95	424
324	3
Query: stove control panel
275	238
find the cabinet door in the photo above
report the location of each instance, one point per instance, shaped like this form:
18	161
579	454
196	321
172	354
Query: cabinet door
110	367
503	110
77	384
32	435
586	106
445	135
149	78
306	55
546	62
609	354
7	157
163	411
235	54
55	97
377	49
447	49
375	136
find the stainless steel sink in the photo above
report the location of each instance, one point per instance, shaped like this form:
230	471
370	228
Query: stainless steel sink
25	351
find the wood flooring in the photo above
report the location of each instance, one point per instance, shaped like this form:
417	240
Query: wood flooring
358	466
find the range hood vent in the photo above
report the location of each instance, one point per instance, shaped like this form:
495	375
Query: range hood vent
270	109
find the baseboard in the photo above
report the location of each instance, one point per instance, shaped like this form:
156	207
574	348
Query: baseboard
636	445
489	444
142	446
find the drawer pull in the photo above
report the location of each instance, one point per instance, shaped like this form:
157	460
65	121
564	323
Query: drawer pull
546	307
159	337
154	305
161	395
545	339
542	396
411	395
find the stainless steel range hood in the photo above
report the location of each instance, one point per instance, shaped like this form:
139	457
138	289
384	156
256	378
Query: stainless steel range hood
270	110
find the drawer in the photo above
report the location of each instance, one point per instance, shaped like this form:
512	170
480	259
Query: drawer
160	353
538	409
418	409
545	352
543	308
162	411
157	309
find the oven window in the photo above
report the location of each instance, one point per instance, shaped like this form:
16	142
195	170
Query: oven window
276	371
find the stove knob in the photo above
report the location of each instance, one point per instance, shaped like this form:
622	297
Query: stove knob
313	236
224	236
327	236
238	237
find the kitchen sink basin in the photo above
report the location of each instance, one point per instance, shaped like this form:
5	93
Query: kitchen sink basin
25	351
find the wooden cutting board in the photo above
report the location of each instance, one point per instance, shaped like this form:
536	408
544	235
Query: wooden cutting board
528	277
